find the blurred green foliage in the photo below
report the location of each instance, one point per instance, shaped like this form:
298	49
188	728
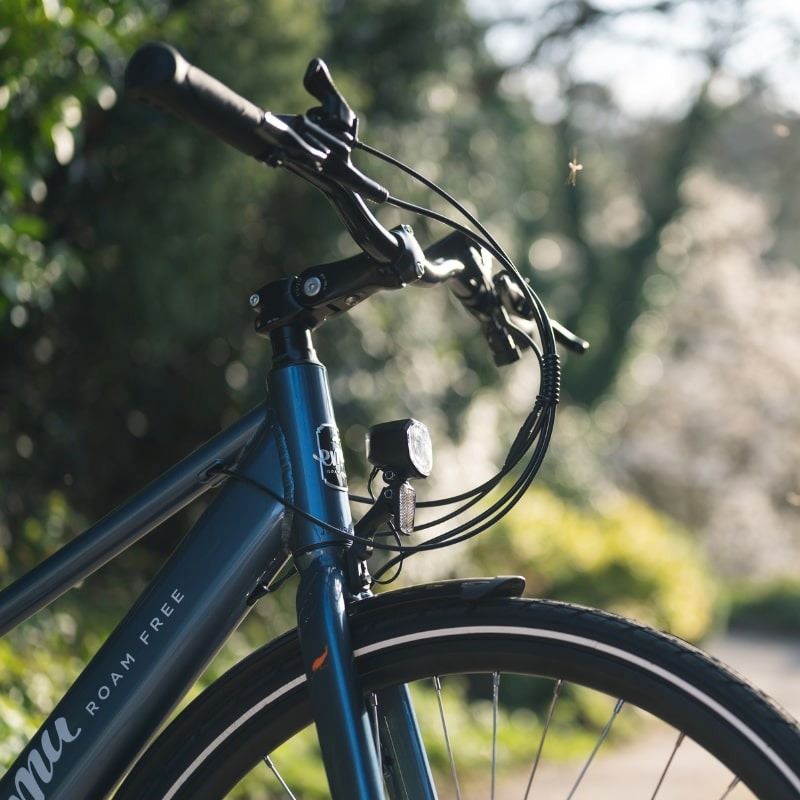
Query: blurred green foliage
129	243
621	556
126	335
60	62
41	658
767	606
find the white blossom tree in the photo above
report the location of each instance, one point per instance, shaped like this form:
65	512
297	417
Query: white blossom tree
711	429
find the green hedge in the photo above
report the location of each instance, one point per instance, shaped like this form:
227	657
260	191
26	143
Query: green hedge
768	606
618	555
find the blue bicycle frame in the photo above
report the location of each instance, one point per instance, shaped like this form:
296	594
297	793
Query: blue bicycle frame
203	592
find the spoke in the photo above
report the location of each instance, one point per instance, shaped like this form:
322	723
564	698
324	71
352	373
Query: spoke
603	734
678	743
438	686
281	781
548	720
495	696
734	783
373	704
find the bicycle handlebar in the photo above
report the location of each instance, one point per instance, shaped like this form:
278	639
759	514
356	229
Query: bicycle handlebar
159	75
315	146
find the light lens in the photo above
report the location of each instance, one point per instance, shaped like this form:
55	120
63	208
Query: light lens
420	448
402	447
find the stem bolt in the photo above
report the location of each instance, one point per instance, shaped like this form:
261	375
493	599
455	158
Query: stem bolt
255	299
312	287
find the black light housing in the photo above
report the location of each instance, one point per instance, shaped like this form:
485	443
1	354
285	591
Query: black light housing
402	446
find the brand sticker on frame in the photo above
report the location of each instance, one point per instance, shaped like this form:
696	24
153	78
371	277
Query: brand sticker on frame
331	458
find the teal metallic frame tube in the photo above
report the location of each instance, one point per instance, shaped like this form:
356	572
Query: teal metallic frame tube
125	525
205	589
162	645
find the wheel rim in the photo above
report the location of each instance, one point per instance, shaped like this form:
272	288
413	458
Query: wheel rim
677	766
667	764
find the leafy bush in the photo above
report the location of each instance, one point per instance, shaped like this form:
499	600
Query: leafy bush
773	606
42	657
619	555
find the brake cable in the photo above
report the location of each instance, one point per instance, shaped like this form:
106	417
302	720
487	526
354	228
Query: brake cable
537	426
539	421
182	88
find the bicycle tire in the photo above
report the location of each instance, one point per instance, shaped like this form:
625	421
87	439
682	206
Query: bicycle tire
262	701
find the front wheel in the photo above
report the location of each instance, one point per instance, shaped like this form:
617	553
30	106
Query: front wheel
516	698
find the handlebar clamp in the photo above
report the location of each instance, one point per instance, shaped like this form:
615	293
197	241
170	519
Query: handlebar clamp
327	290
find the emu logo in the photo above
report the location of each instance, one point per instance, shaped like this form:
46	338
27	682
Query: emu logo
40	768
330	457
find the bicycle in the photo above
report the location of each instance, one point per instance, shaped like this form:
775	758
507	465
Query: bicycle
282	487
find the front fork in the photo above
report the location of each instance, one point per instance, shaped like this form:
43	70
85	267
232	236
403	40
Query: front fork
405	763
346	729
316	482
343	727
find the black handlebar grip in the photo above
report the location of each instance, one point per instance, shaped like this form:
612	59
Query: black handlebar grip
158	74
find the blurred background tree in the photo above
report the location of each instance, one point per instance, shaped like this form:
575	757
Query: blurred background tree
130	243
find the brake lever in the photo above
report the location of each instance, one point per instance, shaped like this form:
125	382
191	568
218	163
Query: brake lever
333	110
513	299
334	125
569	339
338	164
289	145
319	142
473	287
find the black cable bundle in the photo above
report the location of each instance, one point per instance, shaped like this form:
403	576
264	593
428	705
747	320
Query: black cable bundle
537	428
533	437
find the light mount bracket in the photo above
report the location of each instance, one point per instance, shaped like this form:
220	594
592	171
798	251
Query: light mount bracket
401	450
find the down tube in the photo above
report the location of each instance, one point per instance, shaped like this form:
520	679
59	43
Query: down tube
162	645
